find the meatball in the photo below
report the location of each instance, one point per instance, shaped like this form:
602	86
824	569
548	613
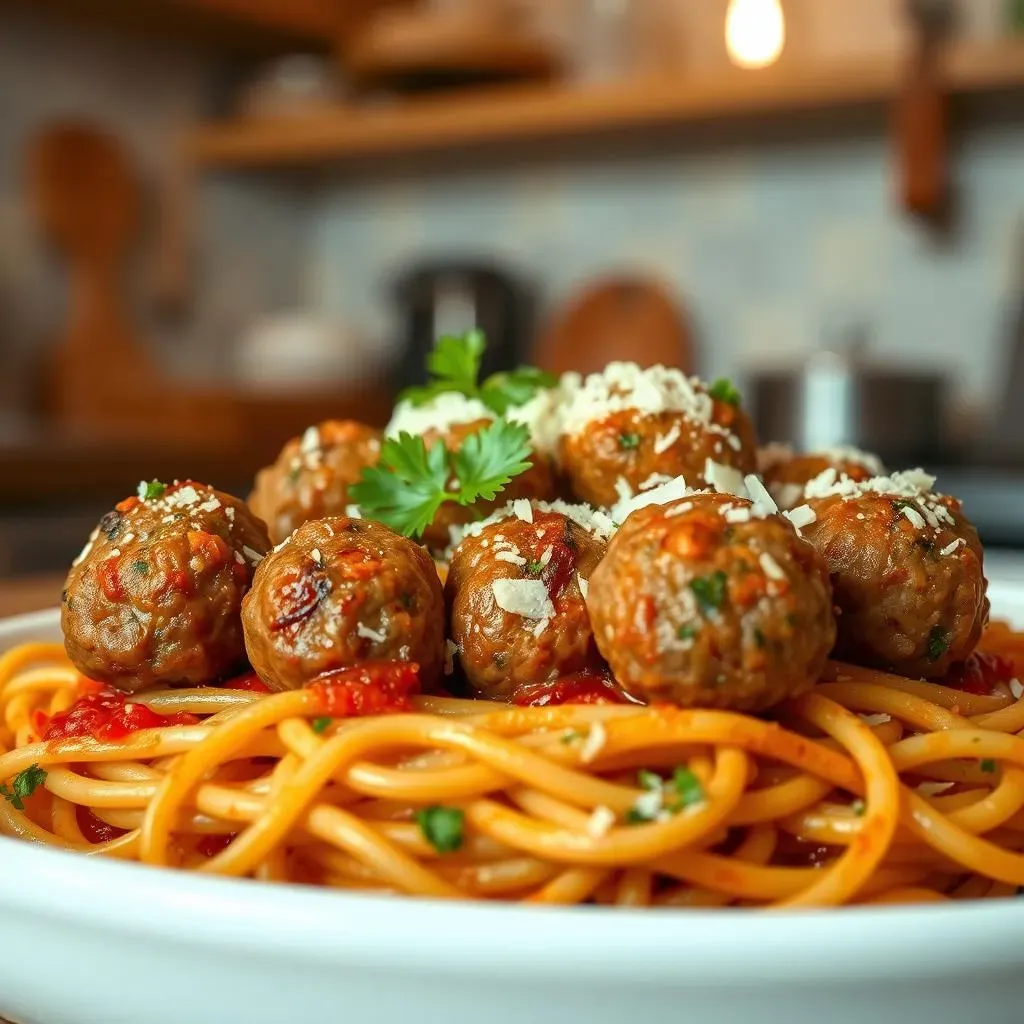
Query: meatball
536	483
703	604
786	477
518	614
906	568
311	477
655	424
341	592
155	598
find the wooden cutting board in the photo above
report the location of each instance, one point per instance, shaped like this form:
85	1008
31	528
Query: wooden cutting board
618	318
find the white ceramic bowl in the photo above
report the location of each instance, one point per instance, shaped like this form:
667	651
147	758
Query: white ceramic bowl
88	941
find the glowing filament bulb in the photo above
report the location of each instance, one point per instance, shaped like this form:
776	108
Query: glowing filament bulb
755	32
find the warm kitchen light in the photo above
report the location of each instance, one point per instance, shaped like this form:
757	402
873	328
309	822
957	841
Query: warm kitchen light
755	32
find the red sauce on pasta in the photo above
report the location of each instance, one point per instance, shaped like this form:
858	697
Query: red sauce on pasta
374	688
106	715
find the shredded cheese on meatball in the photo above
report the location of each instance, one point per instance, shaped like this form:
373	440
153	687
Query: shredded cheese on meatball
621	386
441	413
528	598
913	484
592	520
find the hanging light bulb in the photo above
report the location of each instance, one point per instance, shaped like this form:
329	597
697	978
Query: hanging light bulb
755	32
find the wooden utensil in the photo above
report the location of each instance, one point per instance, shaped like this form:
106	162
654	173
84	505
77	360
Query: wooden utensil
618	318
921	116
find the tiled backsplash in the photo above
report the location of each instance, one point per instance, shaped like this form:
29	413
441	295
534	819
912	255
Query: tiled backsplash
770	245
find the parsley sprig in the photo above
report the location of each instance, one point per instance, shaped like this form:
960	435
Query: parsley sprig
454	365
24	784
410	483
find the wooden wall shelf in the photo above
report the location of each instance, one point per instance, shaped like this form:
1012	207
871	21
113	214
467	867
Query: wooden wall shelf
514	115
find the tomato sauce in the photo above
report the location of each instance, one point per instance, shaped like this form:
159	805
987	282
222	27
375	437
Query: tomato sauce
106	715
375	688
95	830
249	681
580	688
981	673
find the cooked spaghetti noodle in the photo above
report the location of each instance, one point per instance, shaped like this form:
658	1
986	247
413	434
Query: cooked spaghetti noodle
870	789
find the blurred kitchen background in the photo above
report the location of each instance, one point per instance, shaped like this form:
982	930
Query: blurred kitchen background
221	220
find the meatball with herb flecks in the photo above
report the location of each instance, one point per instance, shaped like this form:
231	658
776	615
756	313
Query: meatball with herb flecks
629	428
311	477
708	602
906	569
516	590
341	592
155	598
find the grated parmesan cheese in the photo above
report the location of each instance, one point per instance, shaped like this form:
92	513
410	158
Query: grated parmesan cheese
934	788
737	515
648	391
764	503
587	517
510	556
915	517
584	586
600	822
441	413
771	568
370	634
847	453
183	496
316	556
724	479
310	441
528	598
662	442
254	556
539	628
595	741
655	480
872	720
1017	689
522	509
952	546
801	516
663	494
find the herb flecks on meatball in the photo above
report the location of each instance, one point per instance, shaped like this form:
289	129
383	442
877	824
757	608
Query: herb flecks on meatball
341	592
311	477
712	602
517	591
907	571
626	427
155	597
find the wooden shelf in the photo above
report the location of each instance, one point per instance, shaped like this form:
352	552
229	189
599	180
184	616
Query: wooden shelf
514	115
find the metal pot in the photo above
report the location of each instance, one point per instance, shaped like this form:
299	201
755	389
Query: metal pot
838	399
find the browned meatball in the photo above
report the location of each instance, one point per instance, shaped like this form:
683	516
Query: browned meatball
638	447
786	477
311	477
907	574
703	605
536	483
155	597
539	566
341	592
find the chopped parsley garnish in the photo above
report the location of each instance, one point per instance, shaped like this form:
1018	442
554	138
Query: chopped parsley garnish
687	789
939	640
649	780
454	366
629	440
24	784
149	491
441	827
636	816
709	591
988	765
899	504
571	736
683	790
724	390
858	807
141	567
409	483
534	567
687	632
319	725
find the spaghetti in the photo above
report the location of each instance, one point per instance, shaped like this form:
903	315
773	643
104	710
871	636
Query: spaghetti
870	789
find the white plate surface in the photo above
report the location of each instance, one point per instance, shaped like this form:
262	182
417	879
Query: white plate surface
88	941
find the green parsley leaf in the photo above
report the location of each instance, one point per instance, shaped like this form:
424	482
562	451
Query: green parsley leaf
489	459
687	788
319	725
687	632
724	390
939	640
141	567
571	736
407	486
150	491
628	441
502	391
649	780
441	827
534	567
858	807
709	591
988	765
635	816
25	783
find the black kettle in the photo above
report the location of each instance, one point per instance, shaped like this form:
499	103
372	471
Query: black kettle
452	297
